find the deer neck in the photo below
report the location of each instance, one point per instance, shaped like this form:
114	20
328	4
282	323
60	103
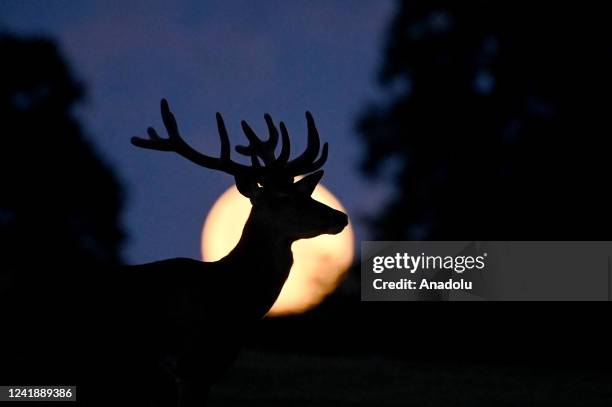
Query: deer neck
262	254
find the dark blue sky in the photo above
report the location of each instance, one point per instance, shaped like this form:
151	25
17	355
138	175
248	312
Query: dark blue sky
241	58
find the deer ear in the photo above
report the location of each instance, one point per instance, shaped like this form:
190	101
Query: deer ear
247	186
307	184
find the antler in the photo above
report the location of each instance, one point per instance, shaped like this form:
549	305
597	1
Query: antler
274	167
175	143
303	164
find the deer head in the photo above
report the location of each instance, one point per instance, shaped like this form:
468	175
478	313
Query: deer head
285	207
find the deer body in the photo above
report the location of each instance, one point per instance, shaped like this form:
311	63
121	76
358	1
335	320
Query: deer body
192	315
198	312
244	283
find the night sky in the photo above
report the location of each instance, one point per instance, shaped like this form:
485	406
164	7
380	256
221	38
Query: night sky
241	58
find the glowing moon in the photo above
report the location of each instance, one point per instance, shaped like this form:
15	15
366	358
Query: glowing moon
319	263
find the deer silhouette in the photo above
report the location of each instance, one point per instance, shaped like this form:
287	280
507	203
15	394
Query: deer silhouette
194	314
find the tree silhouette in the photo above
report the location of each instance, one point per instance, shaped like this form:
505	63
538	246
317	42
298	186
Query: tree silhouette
59	208
59	202
494	124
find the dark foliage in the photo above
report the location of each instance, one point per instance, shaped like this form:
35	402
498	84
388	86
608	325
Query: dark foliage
494	122
59	202
59	211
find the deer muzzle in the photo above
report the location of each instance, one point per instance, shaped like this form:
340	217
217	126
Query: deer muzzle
338	221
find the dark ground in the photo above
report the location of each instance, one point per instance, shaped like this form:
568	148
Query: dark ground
268	378
350	353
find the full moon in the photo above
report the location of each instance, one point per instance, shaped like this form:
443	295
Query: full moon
319	263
